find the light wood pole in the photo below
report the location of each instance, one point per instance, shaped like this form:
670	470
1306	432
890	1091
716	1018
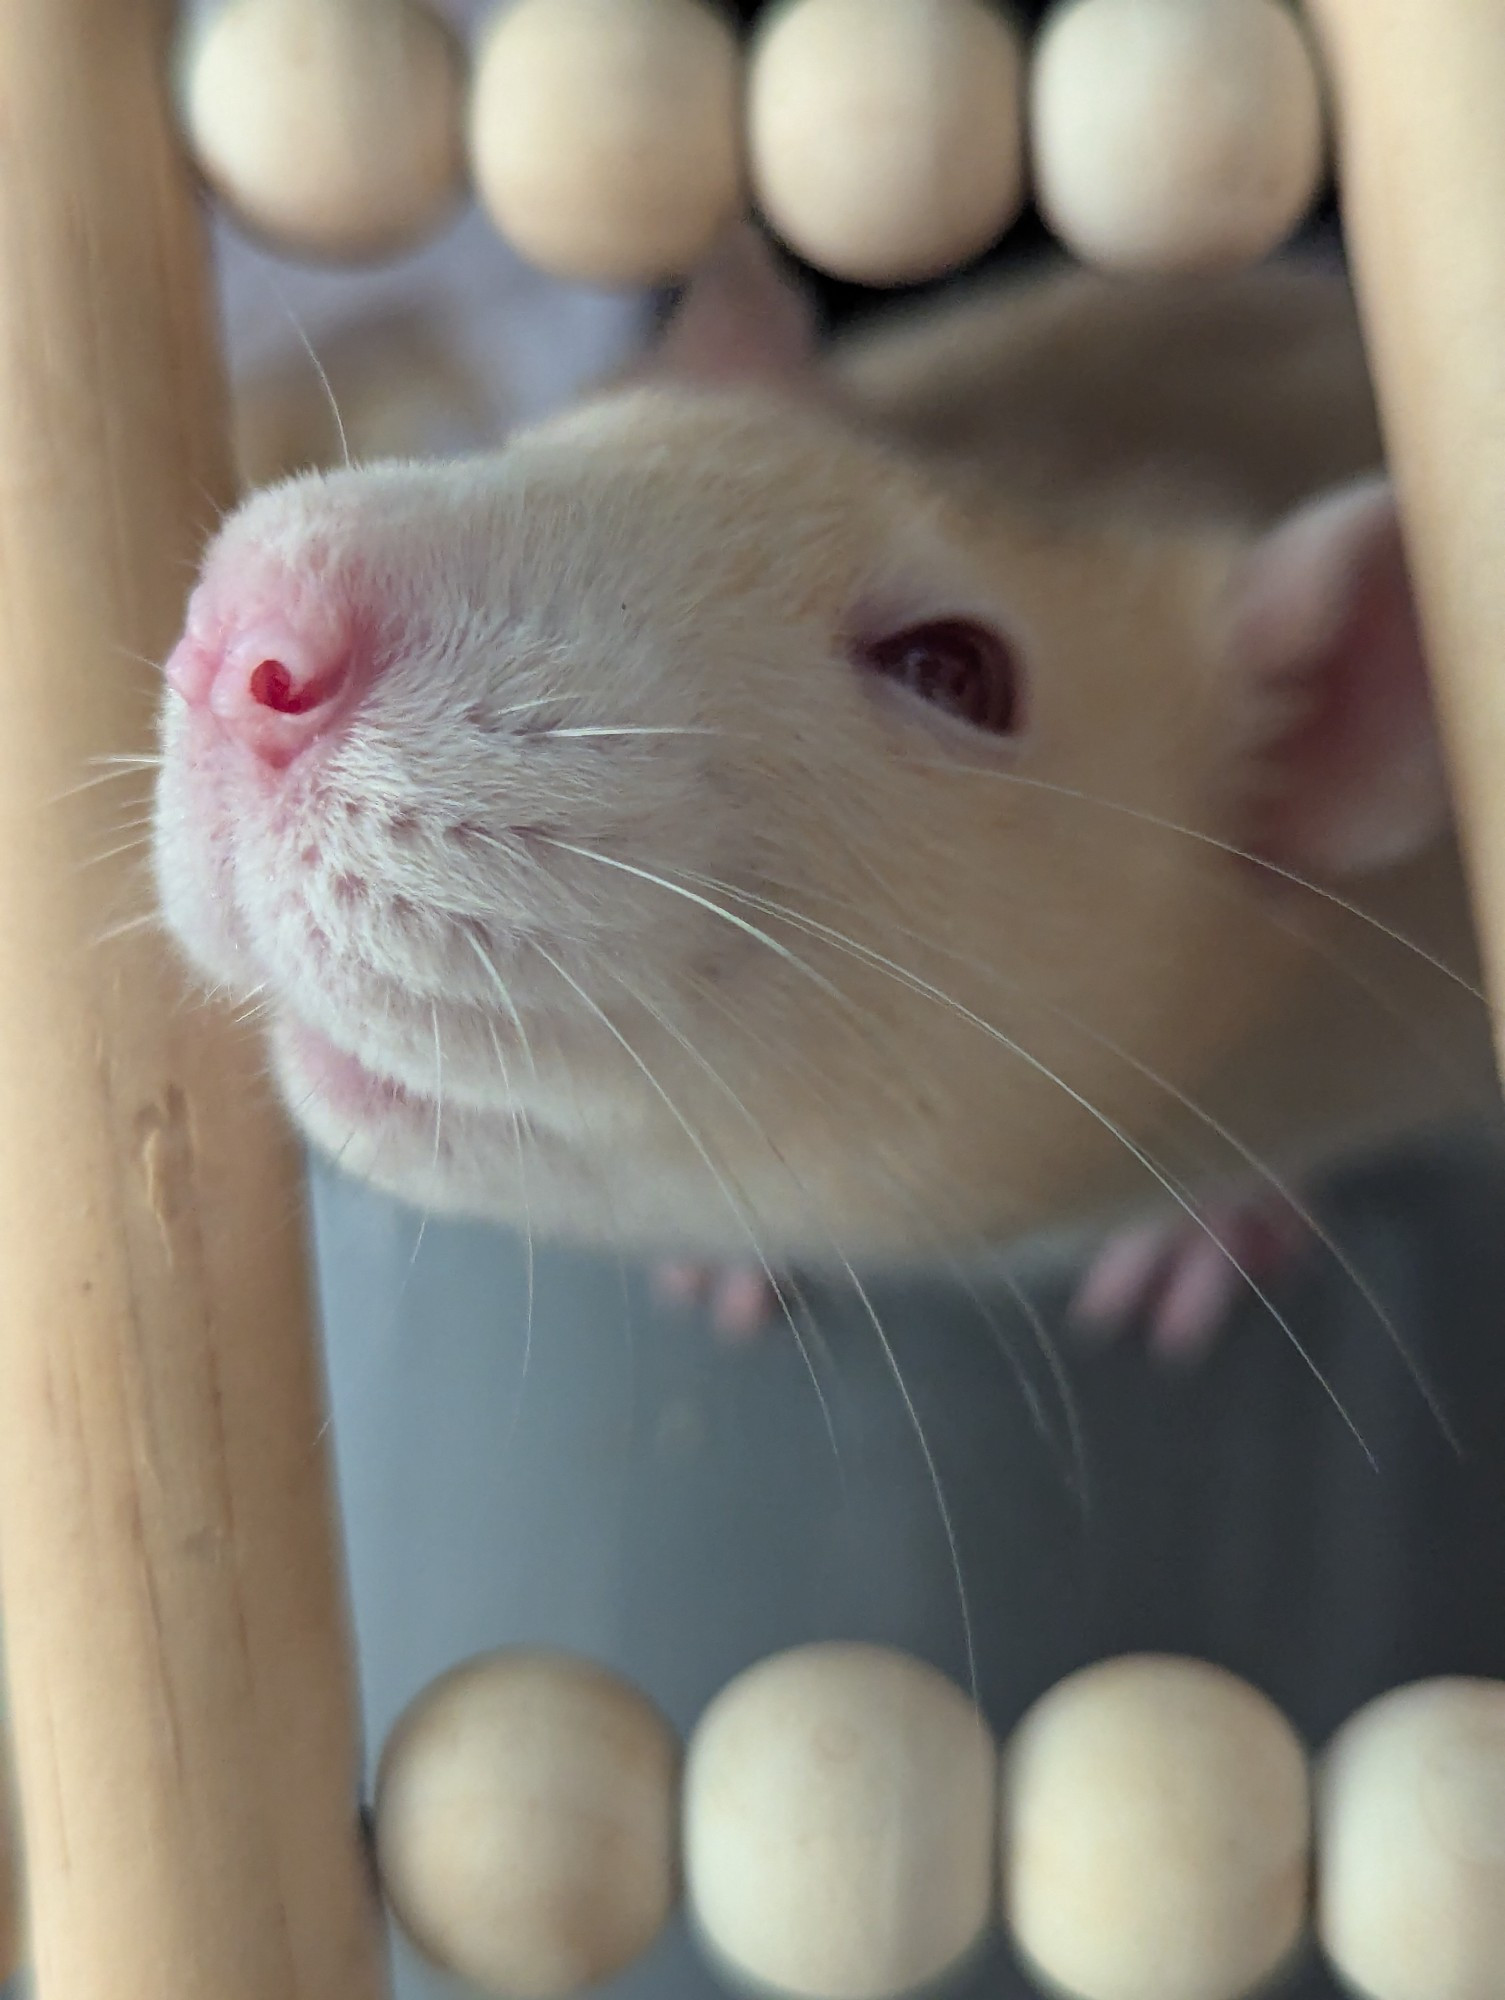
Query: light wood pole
176	1642
1420	94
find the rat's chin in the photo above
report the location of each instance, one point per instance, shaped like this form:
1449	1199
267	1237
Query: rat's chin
319	1077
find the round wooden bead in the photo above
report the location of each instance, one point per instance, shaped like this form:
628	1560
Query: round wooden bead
1156	1834
839	1830
525	1823
885	136
334	128
606	135
1411	1844
1175	135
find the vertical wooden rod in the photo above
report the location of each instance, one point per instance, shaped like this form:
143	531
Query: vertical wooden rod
1420	91
175	1630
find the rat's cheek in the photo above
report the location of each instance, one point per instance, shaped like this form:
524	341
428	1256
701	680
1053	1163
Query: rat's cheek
194	877
206	929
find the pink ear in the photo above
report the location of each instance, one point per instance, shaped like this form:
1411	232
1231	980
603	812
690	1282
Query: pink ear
740	320
1327	627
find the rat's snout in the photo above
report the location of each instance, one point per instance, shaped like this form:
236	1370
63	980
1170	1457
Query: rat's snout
270	686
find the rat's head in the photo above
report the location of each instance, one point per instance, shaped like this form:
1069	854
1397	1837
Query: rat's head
678	824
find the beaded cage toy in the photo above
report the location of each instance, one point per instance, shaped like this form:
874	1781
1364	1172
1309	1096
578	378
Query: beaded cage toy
178	1659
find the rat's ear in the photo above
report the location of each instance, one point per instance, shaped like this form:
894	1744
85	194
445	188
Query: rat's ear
1325	626
740	319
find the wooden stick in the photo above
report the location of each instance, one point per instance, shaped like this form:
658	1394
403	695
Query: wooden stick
174	1623
1420	88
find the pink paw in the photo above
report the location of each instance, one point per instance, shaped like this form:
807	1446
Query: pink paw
1183	1280
741	1299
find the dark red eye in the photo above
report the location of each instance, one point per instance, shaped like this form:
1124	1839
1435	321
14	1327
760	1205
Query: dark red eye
963	667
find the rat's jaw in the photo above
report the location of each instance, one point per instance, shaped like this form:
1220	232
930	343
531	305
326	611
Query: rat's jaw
341	1079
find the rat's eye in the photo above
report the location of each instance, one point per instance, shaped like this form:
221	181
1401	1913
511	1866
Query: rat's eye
960	666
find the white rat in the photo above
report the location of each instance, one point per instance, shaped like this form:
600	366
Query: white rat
839	811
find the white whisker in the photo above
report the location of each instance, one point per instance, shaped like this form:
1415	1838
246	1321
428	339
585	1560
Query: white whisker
621	729
1033	1318
942	1507
423	1220
522	1172
675	888
319	369
1250	1159
1236	853
131	927
703	1063
924	987
732	1202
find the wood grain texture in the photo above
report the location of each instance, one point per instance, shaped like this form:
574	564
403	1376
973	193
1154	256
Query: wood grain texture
174	1620
1420	90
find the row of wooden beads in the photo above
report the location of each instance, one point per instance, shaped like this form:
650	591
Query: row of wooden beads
843	1832
885	140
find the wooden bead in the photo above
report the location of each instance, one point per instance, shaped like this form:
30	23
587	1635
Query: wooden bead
839	1824
1175	135
606	135
1411	1844
885	136
1156	1834
525	1824
333	128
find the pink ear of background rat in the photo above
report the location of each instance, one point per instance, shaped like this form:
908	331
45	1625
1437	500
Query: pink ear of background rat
741	320
1326	617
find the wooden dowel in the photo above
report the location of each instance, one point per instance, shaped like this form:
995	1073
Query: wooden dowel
1420	90
179	1663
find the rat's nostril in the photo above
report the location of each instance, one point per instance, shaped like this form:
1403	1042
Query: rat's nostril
278	691
272	686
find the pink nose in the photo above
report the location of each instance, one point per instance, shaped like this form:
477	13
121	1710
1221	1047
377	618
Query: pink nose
270	688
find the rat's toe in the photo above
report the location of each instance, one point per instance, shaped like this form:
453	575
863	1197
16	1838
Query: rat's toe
1182	1277
742	1304
740	1299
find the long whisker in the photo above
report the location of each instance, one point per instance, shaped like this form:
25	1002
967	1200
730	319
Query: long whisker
534	703
126	770
319	369
702	1062
423	1219
736	1206
528	1265
621	729
148	920
1235	852
890	1357
1033	1318
927	990
916	984
135	845
933	1470
1302	1211
522	1169
1257	1166
1415	1032
728	916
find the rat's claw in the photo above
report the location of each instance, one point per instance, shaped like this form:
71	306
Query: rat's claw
1181	1278
740	1299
